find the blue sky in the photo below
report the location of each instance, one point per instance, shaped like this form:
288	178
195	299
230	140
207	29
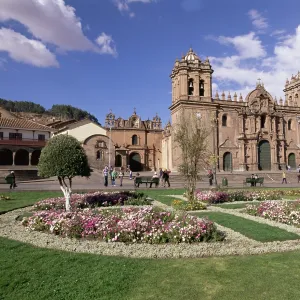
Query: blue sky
118	54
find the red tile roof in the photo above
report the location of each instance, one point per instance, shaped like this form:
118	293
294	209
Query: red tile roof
23	124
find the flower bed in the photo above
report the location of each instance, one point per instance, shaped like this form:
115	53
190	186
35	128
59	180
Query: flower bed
215	197
188	205
280	211
130	225
97	199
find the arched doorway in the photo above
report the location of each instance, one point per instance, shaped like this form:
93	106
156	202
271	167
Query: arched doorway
6	157
118	162
135	162
22	158
35	156
227	162
264	156
292	160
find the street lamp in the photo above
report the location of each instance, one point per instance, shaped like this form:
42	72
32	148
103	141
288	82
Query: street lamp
109	147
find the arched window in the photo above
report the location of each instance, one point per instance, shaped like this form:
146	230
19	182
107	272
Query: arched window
224	120
99	155
289	124
191	87
262	121
134	140
201	88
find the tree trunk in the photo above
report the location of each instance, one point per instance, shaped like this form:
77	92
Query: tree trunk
67	193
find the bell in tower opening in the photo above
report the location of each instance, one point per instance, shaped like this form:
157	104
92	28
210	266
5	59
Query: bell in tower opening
201	88
191	87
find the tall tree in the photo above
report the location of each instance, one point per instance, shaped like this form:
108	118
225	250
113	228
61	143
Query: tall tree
191	137
64	157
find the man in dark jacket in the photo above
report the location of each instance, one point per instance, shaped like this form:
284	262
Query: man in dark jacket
12	178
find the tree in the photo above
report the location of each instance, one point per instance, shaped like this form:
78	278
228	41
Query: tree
64	157
191	137
68	111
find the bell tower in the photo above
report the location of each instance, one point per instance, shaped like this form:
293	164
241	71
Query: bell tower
292	91
191	79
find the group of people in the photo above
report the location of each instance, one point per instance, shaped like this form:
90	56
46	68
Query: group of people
113	174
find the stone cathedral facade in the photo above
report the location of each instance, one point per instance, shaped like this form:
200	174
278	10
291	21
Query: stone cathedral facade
258	133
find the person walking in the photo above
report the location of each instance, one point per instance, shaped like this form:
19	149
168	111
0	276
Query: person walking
13	180
105	175
283	178
121	176
166	178
114	175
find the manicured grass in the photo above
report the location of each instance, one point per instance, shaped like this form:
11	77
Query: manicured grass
30	273
161	195
235	205
251	229
23	199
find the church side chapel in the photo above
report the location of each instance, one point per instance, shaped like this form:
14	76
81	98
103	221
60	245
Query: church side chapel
137	142
258	133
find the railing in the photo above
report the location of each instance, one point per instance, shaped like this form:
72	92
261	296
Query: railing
22	142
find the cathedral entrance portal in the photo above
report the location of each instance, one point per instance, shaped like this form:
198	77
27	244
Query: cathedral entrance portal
292	160
227	159
264	156
135	162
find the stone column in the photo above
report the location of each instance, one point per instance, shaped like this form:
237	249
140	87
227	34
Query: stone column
30	154
14	154
196	85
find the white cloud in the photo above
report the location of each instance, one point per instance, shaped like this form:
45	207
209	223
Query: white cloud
258	20
25	50
247	45
51	22
107	44
124	5
242	71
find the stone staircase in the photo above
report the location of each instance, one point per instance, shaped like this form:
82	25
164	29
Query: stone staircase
21	175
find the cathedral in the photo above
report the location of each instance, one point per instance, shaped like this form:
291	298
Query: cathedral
258	133
136	142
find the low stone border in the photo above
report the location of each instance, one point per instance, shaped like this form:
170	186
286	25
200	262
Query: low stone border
235	244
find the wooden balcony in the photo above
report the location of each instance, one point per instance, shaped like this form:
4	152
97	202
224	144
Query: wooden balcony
23	142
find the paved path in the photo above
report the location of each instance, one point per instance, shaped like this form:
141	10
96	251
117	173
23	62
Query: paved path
95	182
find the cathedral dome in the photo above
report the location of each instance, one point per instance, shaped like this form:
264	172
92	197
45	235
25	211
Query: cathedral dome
191	56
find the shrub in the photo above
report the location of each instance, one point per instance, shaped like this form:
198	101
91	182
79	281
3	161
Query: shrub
212	197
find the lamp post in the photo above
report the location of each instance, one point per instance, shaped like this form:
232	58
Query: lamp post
109	147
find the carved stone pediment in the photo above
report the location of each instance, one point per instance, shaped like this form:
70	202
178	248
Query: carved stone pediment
228	144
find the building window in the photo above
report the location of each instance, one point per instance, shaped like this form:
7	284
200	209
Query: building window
289	124
1	135
201	88
41	137
15	136
262	121
134	140
224	120
191	87
99	155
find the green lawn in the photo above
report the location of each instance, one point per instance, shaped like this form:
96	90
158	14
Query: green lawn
23	199
29	273
161	195
251	229
235	205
